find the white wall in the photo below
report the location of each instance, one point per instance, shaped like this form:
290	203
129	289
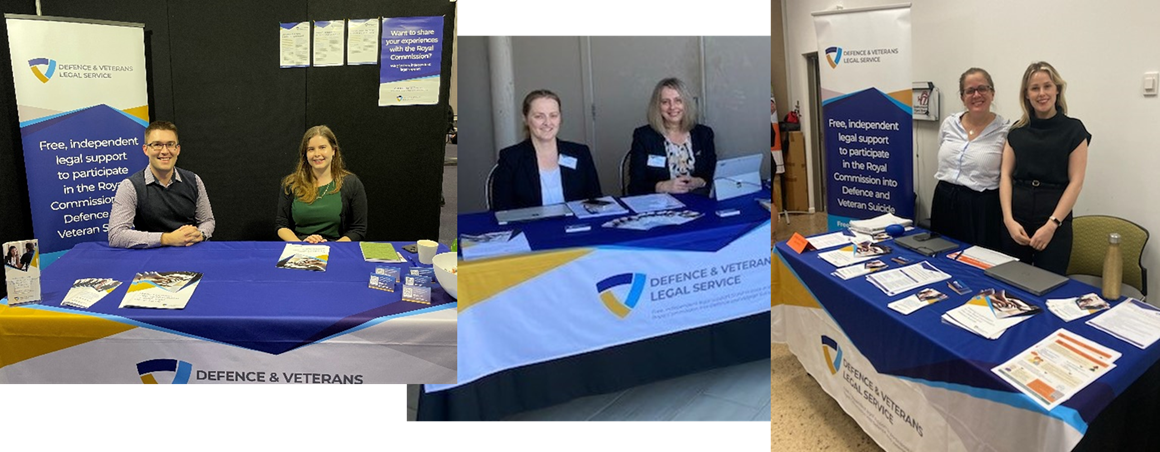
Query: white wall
1102	50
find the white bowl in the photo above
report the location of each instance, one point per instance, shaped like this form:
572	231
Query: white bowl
443	264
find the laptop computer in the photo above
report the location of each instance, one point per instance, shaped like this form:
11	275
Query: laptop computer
1032	279
926	244
737	176
532	213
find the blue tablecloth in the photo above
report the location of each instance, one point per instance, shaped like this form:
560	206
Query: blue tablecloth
243	298
707	233
921	349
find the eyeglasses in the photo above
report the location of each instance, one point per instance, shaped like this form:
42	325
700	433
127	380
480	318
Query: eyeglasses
159	145
981	89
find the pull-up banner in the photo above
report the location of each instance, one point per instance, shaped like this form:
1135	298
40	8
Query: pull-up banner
866	112
83	108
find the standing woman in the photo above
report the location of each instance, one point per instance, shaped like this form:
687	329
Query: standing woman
672	154
543	169
1043	171
321	200
966	199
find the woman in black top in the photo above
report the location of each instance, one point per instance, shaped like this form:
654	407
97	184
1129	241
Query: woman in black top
672	154
1043	170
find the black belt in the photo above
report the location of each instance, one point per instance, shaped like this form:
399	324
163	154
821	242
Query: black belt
1038	184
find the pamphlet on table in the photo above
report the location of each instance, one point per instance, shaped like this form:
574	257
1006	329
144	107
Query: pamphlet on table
1058	367
379	252
830	240
843	257
493	244
924	297
304	257
646	221
908	278
1131	321
161	290
86	292
989	313
22	271
652	202
1070	309
864	268
598	207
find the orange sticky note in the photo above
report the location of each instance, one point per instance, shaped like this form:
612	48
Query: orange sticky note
799	243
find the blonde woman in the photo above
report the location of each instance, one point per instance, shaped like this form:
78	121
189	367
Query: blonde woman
672	154
1044	163
321	201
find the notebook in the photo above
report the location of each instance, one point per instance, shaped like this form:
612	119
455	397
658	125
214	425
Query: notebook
925	245
1032	279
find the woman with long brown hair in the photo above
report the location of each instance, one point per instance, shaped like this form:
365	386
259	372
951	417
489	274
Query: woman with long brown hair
321	200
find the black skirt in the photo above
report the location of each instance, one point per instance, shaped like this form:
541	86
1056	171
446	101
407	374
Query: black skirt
967	215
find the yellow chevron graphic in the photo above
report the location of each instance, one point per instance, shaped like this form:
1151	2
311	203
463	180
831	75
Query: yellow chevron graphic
26	332
481	280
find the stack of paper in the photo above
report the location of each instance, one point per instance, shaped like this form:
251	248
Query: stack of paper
1058	367
877	224
843	257
823	241
990	313
859	269
924	297
1070	309
652	203
494	244
908	278
1131	321
646	221
979	257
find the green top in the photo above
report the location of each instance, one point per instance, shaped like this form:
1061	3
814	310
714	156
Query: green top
320	217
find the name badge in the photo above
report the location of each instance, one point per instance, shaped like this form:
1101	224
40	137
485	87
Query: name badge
657	161
568	161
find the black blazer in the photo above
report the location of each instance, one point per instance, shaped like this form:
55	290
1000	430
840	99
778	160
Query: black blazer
516	182
646	141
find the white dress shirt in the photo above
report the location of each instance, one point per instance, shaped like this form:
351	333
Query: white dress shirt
974	164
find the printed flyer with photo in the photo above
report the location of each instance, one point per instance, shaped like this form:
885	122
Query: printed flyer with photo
22	271
86	292
161	290
304	257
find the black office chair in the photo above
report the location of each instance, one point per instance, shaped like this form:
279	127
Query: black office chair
487	189
623	176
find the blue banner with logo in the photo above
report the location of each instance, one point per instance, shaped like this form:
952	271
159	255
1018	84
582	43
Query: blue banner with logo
412	52
80	94
866	113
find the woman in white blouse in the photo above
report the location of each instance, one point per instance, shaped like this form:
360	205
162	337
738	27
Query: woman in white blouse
966	199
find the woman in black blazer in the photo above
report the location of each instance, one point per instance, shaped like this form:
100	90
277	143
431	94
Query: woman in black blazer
543	169
672	154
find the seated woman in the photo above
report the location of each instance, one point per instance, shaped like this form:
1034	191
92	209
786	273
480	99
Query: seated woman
321	200
672	154
543	169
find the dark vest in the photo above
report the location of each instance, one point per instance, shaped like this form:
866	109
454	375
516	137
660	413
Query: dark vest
161	209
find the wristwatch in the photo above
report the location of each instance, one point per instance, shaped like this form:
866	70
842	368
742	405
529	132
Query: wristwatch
1055	220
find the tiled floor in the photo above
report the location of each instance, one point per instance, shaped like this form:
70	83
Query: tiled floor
737	393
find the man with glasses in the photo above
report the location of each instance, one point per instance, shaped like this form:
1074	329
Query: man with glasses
161	205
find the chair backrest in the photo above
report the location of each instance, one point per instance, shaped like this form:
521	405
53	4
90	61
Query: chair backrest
623	174
1090	246
487	188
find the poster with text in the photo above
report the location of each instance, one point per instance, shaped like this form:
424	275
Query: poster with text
83	109
412	52
866	113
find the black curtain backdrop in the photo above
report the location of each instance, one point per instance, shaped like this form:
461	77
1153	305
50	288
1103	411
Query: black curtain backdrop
213	70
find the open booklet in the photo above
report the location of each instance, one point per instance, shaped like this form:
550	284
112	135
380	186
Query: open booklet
990	312
161	290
